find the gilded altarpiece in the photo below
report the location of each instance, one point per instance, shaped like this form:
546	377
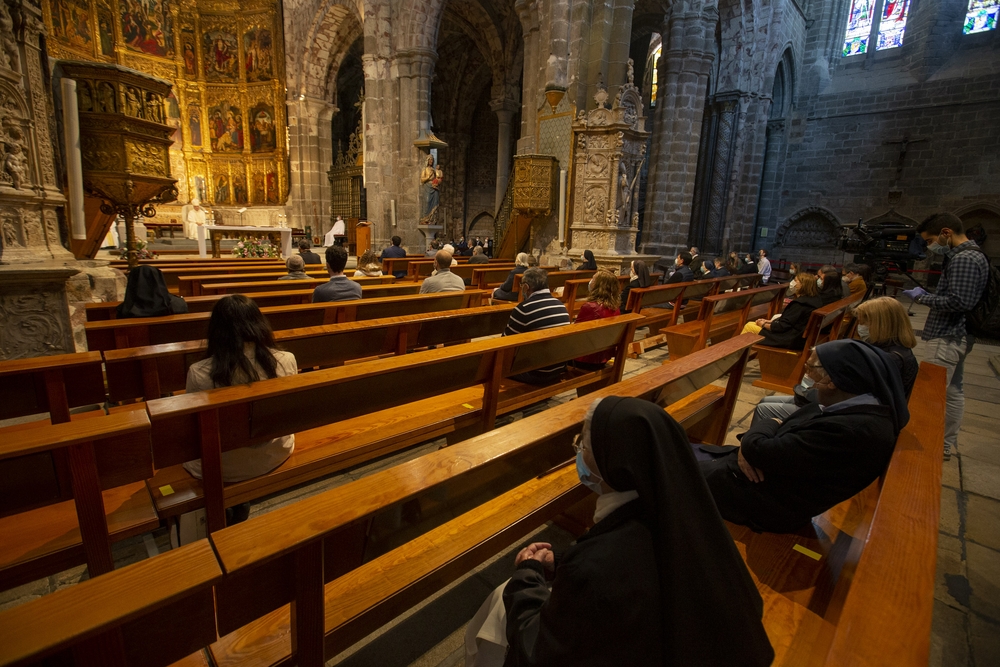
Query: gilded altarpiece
226	63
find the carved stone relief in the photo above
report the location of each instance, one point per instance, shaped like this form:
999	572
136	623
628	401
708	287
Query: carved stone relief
10	221
32	325
812	227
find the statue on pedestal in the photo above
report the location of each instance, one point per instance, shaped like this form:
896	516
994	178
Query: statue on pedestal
430	182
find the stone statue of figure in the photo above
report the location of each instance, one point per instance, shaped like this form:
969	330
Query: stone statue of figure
631	72
430	180
13	165
624	195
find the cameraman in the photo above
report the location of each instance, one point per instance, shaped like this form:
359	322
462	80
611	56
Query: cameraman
963	280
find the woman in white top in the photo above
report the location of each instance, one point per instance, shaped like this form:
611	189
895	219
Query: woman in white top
241	350
368	265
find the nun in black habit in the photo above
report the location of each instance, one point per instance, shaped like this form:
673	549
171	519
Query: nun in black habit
589	263
786	472
146	295
658	577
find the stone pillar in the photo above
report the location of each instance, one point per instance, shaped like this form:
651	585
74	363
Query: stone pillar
527	12
618	51
310	144
415	69
770	182
685	66
504	110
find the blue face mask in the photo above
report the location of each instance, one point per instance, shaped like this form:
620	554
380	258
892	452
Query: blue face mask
587	478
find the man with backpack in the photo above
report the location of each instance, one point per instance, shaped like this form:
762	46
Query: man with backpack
954	308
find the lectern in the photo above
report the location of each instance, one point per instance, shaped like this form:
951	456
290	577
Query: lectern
362	237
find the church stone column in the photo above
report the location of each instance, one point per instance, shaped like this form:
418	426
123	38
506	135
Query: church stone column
685	65
504	110
310	140
527	12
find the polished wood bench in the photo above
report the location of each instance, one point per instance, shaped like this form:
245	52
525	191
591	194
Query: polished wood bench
161	370
557	279
840	601
378	285
490	277
109	461
393	265
137	332
173	272
721	316
422	268
575	291
375	547
99	312
781	369
457	390
154	613
195	285
664	305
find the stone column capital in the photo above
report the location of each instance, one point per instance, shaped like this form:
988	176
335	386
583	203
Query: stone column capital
504	108
416	63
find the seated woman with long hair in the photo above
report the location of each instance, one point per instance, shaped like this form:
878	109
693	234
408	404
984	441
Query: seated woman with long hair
368	265
506	291
786	331
146	295
603	300
638	588
241	350
638	277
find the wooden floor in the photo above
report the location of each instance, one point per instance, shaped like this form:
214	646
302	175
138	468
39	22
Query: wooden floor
967	607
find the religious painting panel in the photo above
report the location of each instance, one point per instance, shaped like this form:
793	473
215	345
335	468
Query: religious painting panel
71	22
222	190
147	27
273	187
262	128
225	124
106	26
258	54
194	125
258	189
240	189
189	51
220	55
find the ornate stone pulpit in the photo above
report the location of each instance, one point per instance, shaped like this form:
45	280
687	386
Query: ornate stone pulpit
124	140
610	152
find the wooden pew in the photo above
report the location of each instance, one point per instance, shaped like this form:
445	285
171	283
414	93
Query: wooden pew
557	279
137	332
876	555
721	316
193	285
214	288
154	613
161	370
782	369
664	305
420	269
100	312
459	389
575	291
110	462
171	274
393	265
459	507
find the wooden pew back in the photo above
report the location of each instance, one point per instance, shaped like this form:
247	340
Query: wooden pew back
138	332
557	279
214	288
159	370
391	265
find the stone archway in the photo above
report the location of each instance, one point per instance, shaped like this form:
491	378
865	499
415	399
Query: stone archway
986	216
810	235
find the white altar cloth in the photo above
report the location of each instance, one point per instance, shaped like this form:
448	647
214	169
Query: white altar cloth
204	232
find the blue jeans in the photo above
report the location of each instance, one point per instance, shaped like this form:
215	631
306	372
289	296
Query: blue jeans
951	353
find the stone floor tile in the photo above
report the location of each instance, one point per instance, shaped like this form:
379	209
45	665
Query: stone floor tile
980	446
982	521
983	408
985	394
983	566
951	475
981	477
949	637
950	523
951	583
980	424
984	636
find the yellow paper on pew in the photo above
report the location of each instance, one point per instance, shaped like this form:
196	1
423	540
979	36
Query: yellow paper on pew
166	490
808	552
466	405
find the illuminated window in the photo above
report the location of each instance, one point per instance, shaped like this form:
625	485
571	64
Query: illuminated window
859	27
982	16
656	75
893	24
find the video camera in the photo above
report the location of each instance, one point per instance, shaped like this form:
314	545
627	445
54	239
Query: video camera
891	247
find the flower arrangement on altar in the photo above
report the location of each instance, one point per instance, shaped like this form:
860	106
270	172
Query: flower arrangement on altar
142	252
255	248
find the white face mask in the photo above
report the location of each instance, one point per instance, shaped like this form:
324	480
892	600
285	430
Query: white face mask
819	283
792	271
863	333
633	275
677	261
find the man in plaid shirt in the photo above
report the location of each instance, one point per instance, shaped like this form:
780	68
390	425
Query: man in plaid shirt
966	271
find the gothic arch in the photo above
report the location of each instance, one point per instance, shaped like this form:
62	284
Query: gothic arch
420	20
810	227
986	215
308	63
891	216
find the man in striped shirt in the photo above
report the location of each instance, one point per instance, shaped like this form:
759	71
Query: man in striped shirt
539	310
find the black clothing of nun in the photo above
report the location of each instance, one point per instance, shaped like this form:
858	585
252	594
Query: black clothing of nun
659	581
821	455
589	263
146	295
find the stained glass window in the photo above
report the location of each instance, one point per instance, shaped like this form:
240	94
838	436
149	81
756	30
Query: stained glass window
656	75
859	27
893	24
982	16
